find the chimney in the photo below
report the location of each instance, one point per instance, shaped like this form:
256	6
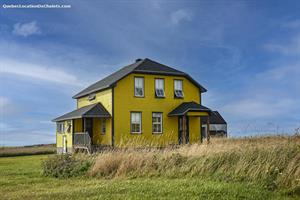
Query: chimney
138	60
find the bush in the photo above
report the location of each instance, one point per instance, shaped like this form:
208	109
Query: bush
65	166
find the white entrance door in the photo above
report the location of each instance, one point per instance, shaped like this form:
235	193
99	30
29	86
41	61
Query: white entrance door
64	144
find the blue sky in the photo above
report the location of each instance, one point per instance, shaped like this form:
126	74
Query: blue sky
246	53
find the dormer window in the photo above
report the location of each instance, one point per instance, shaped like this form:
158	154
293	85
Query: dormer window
139	86
178	93
91	97
159	87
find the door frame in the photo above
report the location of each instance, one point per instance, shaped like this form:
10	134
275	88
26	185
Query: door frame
183	138
65	149
84	127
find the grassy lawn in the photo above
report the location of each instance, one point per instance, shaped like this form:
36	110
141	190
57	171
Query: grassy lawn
20	178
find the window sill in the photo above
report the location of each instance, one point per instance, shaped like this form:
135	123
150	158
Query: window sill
136	133
157	133
139	96
160	97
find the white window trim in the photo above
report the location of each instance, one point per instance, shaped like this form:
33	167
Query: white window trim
143	86
159	123
140	122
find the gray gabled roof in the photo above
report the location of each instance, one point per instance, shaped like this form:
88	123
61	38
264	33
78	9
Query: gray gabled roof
185	107
214	118
141	66
94	110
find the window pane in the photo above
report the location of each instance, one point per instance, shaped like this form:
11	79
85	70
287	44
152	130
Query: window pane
136	119
138	86
178	85
159	83
157	122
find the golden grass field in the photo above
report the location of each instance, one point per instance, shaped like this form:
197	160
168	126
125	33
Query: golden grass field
27	150
257	168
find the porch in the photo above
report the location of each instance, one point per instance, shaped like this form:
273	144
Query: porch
86	125
185	112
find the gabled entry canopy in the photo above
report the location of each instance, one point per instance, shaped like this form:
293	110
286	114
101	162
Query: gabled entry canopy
94	110
190	108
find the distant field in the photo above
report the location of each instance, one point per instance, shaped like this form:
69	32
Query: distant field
20	178
27	150
225	169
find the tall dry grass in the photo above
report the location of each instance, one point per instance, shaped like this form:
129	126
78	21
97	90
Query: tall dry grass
271	161
27	150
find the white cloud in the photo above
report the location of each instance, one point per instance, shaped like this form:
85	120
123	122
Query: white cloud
3	102
292	47
287	72
26	29
40	72
260	107
180	16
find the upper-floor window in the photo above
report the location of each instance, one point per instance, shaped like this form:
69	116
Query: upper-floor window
157	122
139	86
178	93
136	122
60	126
103	126
159	87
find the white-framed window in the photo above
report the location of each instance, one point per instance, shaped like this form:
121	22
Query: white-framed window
159	87
136	122
60	126
139	86
103	126
178	93
157	122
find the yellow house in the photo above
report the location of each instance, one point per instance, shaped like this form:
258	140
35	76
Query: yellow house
143	104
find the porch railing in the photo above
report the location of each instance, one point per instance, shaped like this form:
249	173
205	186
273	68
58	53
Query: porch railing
82	140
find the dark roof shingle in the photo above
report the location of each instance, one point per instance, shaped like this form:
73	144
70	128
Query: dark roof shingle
142	66
94	110
186	107
214	118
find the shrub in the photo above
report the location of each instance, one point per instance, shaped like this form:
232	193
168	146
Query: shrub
65	166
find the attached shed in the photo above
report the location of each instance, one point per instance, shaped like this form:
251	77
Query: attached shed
217	125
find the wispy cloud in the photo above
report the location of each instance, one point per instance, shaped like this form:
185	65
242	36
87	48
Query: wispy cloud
26	29
40	72
292	24
180	15
260	107
3	102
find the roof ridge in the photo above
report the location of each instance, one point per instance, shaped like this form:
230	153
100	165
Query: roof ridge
163	65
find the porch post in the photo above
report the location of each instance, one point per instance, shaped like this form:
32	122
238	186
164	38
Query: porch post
82	126
207	130
183	129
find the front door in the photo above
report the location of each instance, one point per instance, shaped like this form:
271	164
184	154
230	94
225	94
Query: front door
64	144
88	126
183	130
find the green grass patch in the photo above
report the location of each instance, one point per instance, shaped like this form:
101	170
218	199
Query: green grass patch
21	178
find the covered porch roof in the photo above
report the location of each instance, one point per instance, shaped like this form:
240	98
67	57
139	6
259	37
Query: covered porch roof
190	107
93	110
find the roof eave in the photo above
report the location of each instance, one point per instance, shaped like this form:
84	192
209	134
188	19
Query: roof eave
79	95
